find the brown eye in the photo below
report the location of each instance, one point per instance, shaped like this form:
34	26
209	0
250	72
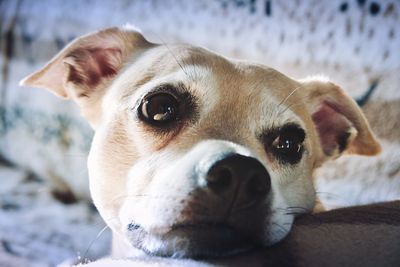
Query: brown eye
159	109
286	143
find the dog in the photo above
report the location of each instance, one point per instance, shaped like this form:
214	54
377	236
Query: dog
196	155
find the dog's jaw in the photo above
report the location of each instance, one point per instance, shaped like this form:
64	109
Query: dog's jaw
191	241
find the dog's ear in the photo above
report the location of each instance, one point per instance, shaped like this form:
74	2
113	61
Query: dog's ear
84	69
339	122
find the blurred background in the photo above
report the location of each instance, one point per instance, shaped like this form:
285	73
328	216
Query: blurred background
46	216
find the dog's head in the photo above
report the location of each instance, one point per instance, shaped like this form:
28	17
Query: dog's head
196	154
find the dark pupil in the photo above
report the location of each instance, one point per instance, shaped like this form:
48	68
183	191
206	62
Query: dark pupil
160	108
288	146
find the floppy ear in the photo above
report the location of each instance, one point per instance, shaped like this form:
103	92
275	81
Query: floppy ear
339	122
83	70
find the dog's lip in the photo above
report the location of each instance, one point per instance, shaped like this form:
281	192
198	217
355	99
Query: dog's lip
183	227
205	239
197	225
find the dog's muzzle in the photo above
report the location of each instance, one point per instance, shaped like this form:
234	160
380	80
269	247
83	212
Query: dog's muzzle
224	215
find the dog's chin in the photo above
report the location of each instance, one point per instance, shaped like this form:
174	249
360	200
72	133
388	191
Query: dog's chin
192	241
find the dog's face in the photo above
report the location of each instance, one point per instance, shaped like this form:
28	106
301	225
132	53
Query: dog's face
194	154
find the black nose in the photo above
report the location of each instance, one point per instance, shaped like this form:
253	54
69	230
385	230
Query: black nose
243	177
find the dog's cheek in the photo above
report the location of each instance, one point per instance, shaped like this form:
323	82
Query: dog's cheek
294	184
151	188
292	195
278	224
110	158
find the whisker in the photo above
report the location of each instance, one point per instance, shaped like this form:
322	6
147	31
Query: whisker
85	260
280	227
192	75
292	105
173	55
293	210
195	69
299	208
294	213
279	110
289	95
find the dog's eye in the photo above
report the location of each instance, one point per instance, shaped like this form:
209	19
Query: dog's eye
159	109
286	144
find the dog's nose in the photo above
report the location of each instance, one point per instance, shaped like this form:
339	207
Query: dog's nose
243	177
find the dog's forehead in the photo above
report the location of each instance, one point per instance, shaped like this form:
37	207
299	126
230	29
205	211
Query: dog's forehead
199	64
235	82
217	83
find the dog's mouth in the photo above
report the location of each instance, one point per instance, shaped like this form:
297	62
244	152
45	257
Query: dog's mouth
200	240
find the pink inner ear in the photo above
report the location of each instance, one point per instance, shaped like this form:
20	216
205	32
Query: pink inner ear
333	128
91	65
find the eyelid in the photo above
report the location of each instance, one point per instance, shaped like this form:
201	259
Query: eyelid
175	90
271	134
294	128
164	88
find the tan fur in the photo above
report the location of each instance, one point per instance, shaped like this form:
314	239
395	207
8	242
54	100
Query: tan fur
137	173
